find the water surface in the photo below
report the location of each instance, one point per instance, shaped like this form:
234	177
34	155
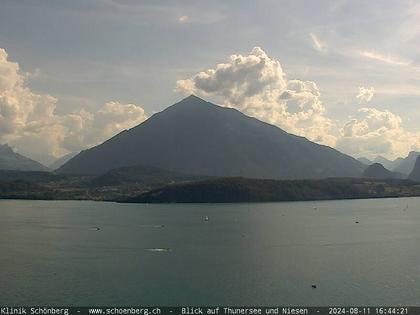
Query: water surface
97	253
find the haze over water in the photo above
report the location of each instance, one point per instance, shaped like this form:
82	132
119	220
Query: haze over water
95	253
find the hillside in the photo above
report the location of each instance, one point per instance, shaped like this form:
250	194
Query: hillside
10	160
141	175
407	164
62	160
257	190
378	171
30	176
113	185
200	138
415	173
364	160
388	164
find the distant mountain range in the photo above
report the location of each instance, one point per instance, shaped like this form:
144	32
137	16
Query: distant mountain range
200	138
378	171
364	161
196	151
407	164
388	164
10	160
62	160
415	173
399	165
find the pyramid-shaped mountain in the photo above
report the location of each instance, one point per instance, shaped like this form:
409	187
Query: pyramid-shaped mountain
198	137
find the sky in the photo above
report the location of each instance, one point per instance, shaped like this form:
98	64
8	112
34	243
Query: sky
341	73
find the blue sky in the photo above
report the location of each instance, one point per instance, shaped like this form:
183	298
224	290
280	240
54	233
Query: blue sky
88	53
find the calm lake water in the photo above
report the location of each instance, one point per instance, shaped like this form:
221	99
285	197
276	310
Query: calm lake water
51	252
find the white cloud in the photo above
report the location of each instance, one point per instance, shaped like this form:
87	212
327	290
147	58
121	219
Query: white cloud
377	132
392	60
256	85
29	123
183	19
317	44
365	94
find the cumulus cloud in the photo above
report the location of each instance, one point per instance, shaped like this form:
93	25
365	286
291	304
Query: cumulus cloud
29	122
376	132
365	94
257	85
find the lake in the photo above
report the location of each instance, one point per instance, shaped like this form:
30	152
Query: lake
98	253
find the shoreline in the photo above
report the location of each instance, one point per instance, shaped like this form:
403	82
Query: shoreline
208	203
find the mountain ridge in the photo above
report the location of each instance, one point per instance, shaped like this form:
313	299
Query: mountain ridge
10	160
402	165
379	171
239	189
197	137
415	173
407	164
62	160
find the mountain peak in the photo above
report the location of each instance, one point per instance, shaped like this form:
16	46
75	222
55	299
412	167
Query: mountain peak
377	171
413	154
192	106
200	138
10	160
193	97
5	148
192	100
